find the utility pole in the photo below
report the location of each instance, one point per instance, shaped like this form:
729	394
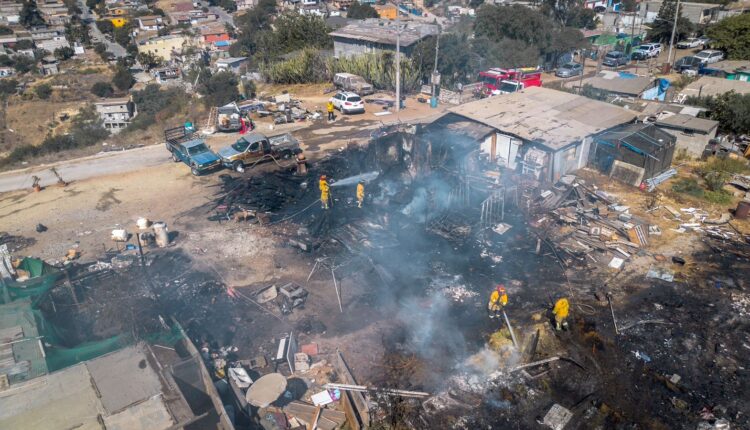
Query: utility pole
398	57
674	30
435	78
584	54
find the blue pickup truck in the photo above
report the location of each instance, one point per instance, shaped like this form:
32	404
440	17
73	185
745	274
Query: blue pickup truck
185	146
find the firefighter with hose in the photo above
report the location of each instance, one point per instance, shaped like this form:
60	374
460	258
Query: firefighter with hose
498	301
561	311
324	191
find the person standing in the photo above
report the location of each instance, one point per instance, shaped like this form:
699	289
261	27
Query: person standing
360	193
498	301
324	191
560	311
329	109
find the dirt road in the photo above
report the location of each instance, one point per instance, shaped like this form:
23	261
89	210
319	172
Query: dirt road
316	137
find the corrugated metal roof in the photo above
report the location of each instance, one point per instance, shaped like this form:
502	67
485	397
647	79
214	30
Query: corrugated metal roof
552	118
620	83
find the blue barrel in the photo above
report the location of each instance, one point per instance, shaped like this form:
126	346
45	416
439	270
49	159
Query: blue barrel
433	102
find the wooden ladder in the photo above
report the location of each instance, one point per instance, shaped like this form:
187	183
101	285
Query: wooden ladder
212	118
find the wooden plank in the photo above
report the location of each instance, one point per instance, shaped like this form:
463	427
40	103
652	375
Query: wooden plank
359	408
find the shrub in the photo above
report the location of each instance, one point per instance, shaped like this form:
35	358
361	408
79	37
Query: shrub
154	102
102	89
688	186
719	197
43	91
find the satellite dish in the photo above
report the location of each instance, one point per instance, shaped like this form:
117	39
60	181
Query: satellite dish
266	390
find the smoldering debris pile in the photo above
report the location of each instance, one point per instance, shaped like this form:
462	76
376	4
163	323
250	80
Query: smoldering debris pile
272	196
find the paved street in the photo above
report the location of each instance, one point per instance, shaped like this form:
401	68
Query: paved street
96	35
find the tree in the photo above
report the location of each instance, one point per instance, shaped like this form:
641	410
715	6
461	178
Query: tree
294	31
43	91
78	32
8	87
361	11
250	25
732	110
87	127
661	28
475	3
570	13
454	58
220	89
105	26
122	78
122	34
4	29
6	61
733	36
148	60
92	4
25	64
30	15
102	89
64	52
24	44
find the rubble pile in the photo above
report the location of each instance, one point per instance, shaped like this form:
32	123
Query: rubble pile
598	229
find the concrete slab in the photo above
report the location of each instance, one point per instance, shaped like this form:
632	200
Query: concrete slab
123	378
151	414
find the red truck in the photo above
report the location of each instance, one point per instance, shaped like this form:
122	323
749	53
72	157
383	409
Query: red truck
503	81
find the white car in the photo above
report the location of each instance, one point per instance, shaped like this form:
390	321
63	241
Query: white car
710	56
692	42
348	102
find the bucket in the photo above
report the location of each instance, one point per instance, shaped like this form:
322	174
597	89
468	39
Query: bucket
743	210
161	233
143	223
119	235
433	102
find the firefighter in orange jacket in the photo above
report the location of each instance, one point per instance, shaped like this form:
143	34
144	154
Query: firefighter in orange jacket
498	300
360	193
324	191
560	311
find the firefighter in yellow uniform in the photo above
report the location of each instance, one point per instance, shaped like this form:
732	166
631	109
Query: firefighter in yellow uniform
498	300
360	193
329	109
561	310
324	191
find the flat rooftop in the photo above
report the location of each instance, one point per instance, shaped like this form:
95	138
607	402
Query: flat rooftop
385	31
123	388
551	118
710	86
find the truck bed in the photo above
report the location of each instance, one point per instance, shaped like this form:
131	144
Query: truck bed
177	135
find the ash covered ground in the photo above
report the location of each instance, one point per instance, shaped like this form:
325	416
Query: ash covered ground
416	266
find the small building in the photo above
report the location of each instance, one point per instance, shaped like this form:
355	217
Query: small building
50	45
633	152
7	71
150	23
164	46
246	4
378	35
164	75
10	12
697	13
50	66
621	84
541	132
116	114
386	11
735	70
706	86
231	64
692	134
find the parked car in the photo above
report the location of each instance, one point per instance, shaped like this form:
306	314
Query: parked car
645	51
692	42
615	59
710	56
705	41
194	152
353	83
569	70
348	102
687	64
254	147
